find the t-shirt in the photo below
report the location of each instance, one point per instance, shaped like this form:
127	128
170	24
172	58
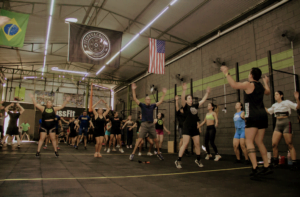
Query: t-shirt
25	126
239	122
147	112
115	124
84	121
283	106
191	116
13	119
180	118
57	119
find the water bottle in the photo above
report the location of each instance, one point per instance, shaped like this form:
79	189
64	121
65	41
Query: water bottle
290	162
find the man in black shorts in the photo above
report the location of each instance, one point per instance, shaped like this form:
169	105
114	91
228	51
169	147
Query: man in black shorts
256	117
147	125
13	129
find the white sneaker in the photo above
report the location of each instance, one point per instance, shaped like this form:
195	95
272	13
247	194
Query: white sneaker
105	149
155	152
217	158
178	164
108	150
114	149
149	154
208	156
127	146
118	146
199	163
140	154
121	150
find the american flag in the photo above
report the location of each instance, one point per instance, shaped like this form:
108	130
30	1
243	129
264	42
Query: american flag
156	56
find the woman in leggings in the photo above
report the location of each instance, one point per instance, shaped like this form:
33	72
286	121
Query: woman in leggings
115	132
190	129
48	122
282	110
239	137
160	127
129	124
99	124
211	120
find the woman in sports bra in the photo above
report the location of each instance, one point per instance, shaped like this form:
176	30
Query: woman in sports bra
282	110
211	120
99	124
48	125
130	125
160	127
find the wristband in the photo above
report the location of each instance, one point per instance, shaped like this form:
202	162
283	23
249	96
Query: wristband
227	74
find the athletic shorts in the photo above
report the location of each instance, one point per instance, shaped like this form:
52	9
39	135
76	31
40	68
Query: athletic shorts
57	131
107	132
283	125
159	131
98	132
240	133
25	132
48	127
190	131
12	131
83	131
73	133
180	132
116	132
147	127
260	123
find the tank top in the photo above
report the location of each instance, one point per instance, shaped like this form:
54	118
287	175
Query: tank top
72	126
239	122
48	114
210	117
99	123
159	124
254	106
129	124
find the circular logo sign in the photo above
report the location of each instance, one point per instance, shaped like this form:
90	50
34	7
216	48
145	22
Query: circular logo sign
194	111
95	45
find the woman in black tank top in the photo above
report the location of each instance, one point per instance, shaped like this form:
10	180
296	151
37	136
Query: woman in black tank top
48	122
72	130
255	115
160	127
99	124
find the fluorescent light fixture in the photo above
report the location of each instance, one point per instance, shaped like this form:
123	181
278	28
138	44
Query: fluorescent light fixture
68	71
48	33
100	70
154	20
100	86
112	99
30	77
137	35
71	20
4	85
173	2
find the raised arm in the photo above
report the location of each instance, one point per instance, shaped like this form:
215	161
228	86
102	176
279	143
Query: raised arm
124	125
164	90
232	83
177	106
296	95
107	108
133	87
21	108
1	107
40	107
93	107
8	106
63	105
267	89
205	96
183	102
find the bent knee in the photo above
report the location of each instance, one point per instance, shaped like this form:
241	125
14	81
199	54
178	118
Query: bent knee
274	145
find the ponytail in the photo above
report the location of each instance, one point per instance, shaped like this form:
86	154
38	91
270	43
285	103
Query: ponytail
215	108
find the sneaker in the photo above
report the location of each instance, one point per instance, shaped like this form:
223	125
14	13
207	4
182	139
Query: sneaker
149	154
58	148
160	157
131	157
99	155
247	162
254	172
56	154
155	152
96	155
217	157
199	163
237	161
76	147
19	146
104	149
266	171
114	149
130	146
45	147
208	156
85	147
121	150
108	150
140	154
118	146
127	146
37	154
178	164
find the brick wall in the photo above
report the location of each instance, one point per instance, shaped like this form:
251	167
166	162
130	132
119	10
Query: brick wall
247	45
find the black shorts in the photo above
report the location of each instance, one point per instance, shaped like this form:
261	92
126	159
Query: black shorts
98	132
48	127
190	131
260	123
1	129
116	132
12	131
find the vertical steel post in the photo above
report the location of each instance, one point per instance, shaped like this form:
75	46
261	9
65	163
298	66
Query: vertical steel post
237	74
191	92
175	122
271	84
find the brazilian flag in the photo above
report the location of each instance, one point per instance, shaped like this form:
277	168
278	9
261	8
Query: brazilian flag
13	32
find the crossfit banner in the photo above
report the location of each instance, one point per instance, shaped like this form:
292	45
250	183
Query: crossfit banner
94	45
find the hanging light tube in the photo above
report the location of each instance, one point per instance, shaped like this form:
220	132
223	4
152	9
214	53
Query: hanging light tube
69	71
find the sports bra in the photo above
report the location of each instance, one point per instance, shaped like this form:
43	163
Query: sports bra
210	117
